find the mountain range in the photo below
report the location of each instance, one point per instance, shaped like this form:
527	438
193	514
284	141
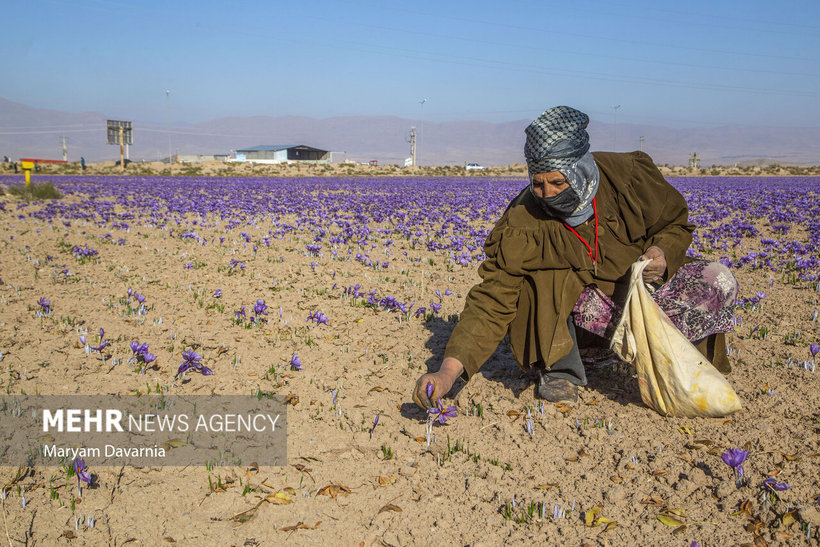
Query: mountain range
26	131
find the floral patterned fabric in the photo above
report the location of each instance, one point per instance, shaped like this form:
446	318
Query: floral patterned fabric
699	300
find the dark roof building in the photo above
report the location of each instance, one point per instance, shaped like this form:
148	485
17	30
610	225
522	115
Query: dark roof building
283	153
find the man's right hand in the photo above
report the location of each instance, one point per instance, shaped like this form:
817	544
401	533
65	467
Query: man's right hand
441	382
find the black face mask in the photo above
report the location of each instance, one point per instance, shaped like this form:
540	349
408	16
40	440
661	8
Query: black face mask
560	205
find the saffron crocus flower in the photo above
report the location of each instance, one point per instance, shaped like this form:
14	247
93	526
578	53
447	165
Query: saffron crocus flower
82	475
734	458
218	293
429	389
240	313
45	304
192	361
295	363
318	317
441	412
260	307
771	485
375	423
139	298
148	357
814	349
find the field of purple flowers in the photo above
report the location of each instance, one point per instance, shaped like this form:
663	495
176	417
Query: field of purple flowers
336	294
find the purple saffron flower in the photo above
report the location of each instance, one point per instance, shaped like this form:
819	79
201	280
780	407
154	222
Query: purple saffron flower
82	472
217	293
771	485
82	339
148	357
447	292
734	458
443	413
429	389
139	298
318	317
814	349
240	314
192	361
260	307
295	363
375	423
138	348
45	304
102	346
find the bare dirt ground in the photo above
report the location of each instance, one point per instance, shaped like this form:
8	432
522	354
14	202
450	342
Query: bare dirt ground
599	472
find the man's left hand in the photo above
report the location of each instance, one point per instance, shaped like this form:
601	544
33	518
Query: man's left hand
654	270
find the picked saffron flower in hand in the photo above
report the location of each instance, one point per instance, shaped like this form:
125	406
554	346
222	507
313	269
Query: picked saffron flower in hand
429	390
443	413
295	363
734	458
192	361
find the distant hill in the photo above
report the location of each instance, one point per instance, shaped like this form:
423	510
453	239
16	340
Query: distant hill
31	132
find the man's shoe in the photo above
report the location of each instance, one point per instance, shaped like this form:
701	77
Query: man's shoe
556	389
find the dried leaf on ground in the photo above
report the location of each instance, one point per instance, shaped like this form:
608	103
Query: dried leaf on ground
292	399
385	481
654	501
247	515
334	490
279	498
669	520
589	516
563	408
789	518
390	507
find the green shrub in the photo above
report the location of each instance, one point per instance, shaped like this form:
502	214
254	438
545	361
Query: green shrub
35	191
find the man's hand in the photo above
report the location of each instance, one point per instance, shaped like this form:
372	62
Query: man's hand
441	382
654	270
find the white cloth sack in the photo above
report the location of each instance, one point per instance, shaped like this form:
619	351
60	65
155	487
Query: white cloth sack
674	377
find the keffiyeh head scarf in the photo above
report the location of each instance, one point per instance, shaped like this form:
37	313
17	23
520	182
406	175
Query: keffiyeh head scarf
558	141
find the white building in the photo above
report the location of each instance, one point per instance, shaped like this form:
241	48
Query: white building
283	153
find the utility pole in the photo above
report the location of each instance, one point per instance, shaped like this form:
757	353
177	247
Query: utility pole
615	108
421	130
413	145
65	151
168	122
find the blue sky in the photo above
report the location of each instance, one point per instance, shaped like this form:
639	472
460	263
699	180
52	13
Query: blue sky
683	64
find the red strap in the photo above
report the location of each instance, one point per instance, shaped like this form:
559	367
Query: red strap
589	249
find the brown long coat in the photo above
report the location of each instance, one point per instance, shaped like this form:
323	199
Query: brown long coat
536	267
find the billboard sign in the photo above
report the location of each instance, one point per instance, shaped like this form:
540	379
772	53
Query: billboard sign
113	132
